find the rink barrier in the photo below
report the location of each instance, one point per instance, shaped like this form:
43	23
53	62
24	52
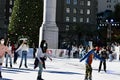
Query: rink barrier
57	52
52	52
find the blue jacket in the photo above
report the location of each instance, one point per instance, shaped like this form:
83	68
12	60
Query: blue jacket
89	57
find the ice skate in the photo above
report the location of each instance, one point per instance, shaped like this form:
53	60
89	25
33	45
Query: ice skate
39	78
90	79
85	79
0	75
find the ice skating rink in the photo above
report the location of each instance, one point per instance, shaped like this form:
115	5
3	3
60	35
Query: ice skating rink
61	69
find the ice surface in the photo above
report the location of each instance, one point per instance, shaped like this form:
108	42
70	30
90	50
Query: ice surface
61	69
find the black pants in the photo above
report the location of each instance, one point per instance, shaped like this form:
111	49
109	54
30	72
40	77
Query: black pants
15	56
34	51
69	54
43	61
104	65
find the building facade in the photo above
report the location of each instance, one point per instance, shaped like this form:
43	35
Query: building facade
104	5
76	20
8	10
5	13
2	18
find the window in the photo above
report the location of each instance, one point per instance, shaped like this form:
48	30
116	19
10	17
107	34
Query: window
81	19
108	1
109	6
67	1
74	2
74	27
67	27
88	3
82	3
9	18
74	10
67	10
115	1
10	10
87	20
11	2
81	11
74	19
4	10
88	11
67	19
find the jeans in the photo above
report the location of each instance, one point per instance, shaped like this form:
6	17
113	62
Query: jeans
15	57
10	58
40	68
24	56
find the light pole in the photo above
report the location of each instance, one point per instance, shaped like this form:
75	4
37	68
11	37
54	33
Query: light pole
109	31
109	24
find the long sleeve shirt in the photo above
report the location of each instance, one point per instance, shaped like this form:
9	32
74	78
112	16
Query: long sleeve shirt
23	47
40	54
89	57
4	49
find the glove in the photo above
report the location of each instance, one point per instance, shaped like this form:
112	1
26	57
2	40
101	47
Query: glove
80	60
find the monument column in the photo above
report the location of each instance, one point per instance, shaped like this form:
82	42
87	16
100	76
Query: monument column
49	29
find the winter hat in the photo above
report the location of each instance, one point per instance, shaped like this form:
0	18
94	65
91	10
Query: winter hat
1	38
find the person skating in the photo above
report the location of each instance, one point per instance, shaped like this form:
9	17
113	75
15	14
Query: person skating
89	58
34	50
69	48
3	49
25	49
8	56
103	55
41	55
14	48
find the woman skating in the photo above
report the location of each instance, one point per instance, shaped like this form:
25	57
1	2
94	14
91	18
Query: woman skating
25	49
41	56
3	49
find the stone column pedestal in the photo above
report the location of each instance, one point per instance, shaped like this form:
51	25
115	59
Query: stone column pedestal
49	29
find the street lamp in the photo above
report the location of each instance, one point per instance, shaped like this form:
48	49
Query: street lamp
109	24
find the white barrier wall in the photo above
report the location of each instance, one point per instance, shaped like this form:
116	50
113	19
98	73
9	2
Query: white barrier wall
57	52
30	53
51	52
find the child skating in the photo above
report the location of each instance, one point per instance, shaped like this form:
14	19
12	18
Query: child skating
89	57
